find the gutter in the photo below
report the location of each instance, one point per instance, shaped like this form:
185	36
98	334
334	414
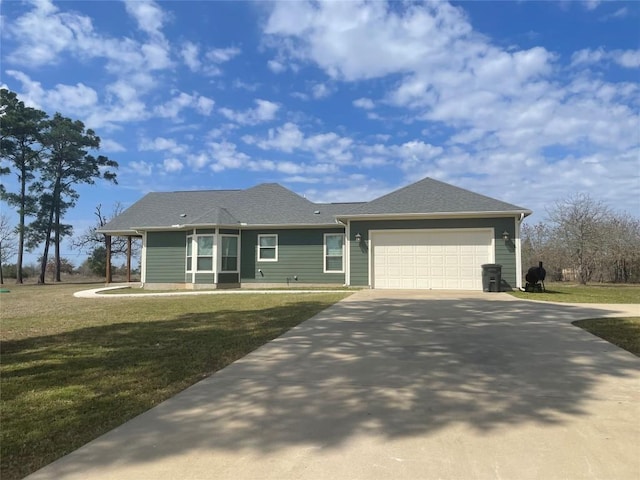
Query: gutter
400	216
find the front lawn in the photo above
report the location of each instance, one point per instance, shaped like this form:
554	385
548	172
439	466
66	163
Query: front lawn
73	369
623	332
575	293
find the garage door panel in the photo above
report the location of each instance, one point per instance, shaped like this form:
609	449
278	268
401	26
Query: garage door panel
466	260
430	259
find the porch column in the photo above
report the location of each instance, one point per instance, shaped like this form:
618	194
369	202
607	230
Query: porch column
129	258
107	241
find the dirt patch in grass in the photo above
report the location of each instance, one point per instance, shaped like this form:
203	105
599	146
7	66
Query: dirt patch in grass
623	332
73	369
574	293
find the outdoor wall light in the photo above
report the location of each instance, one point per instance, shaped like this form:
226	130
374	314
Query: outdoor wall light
505	236
358	237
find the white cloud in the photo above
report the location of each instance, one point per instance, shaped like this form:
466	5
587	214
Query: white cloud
148	15
109	145
493	98
198	161
226	156
286	138
140	168
591	4
190	55
157	55
173	107
365	103
624	58
320	90
44	34
325	147
204	105
263	112
161	144
71	99
172	165
221	55
275	66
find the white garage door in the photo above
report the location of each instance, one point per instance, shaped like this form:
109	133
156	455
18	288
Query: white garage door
431	259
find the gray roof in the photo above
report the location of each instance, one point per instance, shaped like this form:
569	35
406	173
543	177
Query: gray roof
429	196
272	204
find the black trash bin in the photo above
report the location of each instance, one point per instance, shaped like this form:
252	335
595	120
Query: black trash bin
491	277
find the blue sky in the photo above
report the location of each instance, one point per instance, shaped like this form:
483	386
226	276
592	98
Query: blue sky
527	102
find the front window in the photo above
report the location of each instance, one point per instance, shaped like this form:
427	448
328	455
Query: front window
333	253
205	253
229	254
268	248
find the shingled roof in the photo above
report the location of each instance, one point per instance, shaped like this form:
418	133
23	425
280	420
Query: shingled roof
429	196
264	204
272	204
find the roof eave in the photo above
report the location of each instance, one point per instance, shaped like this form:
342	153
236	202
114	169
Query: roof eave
120	232
179	227
400	216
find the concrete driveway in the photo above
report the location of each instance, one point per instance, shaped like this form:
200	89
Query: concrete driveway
397	385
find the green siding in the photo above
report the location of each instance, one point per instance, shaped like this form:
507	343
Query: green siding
166	260
504	253
300	253
203	278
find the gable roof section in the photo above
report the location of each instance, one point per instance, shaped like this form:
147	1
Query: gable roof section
272	204
265	204
164	209
429	196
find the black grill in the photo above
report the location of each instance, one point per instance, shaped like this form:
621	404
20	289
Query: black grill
535	279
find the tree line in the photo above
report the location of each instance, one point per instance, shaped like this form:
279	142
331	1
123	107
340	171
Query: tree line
584	240
49	157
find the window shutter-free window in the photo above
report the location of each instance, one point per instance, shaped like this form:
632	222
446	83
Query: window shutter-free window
205	253
229	256
334	248
268	248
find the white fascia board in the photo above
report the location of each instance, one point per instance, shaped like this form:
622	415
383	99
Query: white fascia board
438	215
121	233
292	226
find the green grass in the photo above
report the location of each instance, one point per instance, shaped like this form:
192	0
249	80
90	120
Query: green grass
73	369
574	293
623	332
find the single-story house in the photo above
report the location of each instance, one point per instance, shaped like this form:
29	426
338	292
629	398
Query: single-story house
427	235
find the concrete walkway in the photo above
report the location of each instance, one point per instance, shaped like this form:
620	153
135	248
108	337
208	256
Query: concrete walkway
98	292
398	385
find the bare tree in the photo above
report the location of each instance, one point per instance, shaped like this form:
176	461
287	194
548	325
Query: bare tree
539	244
8	243
579	223
94	243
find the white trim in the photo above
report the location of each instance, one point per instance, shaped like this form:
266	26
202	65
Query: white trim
324	252
186	256
143	259
400	216
518	252
347	257
258	259
372	234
